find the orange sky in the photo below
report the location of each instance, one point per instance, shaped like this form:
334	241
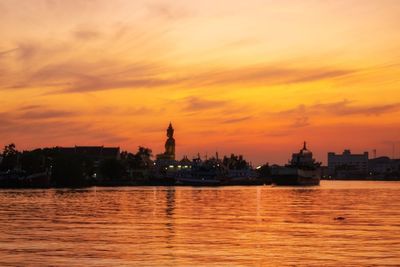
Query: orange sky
252	77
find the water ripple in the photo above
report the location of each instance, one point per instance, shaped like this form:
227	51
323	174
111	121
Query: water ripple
176	226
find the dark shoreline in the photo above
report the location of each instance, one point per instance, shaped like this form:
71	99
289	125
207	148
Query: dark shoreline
173	184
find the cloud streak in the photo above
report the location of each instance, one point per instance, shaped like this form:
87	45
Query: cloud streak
341	108
344	108
52	125
86	34
46	114
236	120
81	77
197	104
270	75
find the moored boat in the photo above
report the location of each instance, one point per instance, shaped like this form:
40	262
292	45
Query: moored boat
302	170
198	181
20	179
295	176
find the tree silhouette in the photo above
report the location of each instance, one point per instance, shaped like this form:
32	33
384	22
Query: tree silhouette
10	158
111	169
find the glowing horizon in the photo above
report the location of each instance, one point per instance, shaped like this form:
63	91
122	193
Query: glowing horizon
255	78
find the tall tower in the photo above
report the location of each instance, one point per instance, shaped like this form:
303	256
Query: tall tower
170	143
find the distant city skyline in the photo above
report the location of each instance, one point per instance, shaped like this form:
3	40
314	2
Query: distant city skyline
255	78
171	155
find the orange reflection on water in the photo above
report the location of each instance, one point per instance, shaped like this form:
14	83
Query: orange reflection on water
164	226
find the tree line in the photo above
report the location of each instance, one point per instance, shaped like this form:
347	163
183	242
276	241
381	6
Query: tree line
72	170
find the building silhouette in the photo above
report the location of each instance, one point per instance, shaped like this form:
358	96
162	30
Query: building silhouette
95	153
384	167
347	165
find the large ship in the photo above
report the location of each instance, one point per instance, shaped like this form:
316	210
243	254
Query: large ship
302	170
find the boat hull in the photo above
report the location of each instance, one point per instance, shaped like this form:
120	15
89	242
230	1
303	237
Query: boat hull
296	177
198	182
19	180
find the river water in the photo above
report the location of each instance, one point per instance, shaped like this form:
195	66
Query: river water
184	226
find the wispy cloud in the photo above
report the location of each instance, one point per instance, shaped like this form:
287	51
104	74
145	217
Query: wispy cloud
300	122
53	126
303	115
46	114
86	34
237	119
322	74
49	68
340	108
168	11
268	75
30	107
27	51
75	77
196	104
344	108
37	112
127	111
7	52
242	76
42	112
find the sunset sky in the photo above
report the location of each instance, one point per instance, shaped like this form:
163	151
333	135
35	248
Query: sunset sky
250	77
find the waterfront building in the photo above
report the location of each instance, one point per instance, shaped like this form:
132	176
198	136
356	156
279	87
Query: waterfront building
382	167
347	165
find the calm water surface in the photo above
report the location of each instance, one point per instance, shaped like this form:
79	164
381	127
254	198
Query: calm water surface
183	226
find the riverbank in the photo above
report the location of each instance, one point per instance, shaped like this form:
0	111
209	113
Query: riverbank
165	182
